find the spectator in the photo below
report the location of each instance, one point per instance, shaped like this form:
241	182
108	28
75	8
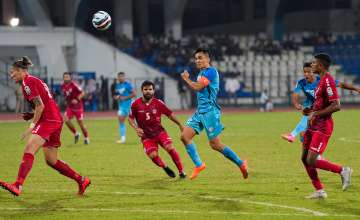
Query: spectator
232	85
182	89
104	93
19	100
113	93
265	102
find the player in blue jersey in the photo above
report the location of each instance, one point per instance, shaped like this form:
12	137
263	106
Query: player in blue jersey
124	92
207	115
307	86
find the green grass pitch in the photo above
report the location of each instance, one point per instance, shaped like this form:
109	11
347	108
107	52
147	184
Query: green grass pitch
127	185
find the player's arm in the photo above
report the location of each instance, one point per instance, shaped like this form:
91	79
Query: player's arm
80	96
197	86
347	86
333	107
39	108
173	118
295	101
132	95
133	124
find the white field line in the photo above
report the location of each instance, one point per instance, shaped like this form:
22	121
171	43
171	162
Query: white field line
159	211
350	140
304	211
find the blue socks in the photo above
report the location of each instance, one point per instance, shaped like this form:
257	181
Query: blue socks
122	130
231	155
301	126
191	150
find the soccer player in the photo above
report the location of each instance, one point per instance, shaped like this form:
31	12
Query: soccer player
124	93
73	96
307	85
320	129
44	130
145	118
207	115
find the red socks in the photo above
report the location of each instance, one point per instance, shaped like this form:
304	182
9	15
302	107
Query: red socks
175	157
24	169
66	170
84	131
327	165
158	161
314	177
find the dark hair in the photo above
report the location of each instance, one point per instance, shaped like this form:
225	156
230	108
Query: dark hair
121	73
202	50
23	63
67	73
147	83
307	64
324	59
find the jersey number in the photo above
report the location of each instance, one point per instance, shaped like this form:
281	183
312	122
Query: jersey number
147	116
47	90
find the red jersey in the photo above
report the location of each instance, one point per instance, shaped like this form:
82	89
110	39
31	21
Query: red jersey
148	116
33	87
71	91
325	93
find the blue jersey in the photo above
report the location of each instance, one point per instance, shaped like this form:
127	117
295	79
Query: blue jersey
206	98
308	89
124	89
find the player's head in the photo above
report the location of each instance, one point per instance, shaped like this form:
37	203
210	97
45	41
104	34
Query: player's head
321	63
202	58
67	77
148	89
20	68
308	74
121	76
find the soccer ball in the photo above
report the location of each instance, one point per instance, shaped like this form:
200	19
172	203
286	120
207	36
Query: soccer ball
101	20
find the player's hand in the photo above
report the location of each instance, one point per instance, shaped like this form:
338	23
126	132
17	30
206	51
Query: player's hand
139	132
299	107
185	75
311	118
116	97
74	101
306	111
25	134
358	90
27	115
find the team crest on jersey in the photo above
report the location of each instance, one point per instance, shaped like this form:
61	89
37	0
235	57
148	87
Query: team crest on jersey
27	90
154	111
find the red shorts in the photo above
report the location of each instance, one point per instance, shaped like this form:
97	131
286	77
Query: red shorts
151	144
50	131
315	141
78	113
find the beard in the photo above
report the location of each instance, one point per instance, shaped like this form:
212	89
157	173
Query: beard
147	97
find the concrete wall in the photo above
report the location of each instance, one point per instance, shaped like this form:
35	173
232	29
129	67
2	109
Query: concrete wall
95	55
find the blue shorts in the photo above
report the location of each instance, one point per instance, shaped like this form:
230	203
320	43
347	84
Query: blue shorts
209	120
124	111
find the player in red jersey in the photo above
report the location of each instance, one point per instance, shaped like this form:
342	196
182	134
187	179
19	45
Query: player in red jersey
44	130
320	129
73	96
145	118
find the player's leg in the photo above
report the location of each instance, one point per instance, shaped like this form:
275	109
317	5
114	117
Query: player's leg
166	143
80	121
217	145
317	147
51	157
67	118
32	146
122	113
151	150
50	149
300	127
